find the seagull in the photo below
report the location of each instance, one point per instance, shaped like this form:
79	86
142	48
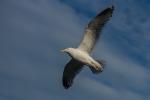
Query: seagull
80	56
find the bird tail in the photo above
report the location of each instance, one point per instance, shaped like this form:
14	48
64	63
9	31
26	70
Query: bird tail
94	71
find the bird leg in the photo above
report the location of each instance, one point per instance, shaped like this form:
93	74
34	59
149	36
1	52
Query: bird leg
95	68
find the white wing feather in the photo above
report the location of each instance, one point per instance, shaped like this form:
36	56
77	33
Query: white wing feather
93	29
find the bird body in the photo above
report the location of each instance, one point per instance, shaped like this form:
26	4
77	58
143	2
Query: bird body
81	55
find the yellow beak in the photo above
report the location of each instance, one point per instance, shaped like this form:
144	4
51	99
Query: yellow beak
63	50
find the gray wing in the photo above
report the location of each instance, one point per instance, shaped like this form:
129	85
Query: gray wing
93	29
72	68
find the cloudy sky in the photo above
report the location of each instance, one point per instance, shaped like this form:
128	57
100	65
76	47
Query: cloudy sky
33	31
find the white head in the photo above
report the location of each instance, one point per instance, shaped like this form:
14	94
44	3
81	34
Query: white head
67	50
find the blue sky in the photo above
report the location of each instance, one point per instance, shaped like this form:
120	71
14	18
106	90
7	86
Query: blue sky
33	31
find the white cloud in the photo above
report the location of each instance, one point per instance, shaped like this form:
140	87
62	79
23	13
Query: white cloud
102	91
34	31
124	66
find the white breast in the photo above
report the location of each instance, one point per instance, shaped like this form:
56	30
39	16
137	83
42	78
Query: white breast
81	56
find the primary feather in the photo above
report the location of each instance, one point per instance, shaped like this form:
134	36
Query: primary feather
93	30
72	68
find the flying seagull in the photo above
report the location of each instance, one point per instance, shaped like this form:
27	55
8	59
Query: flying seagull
81	55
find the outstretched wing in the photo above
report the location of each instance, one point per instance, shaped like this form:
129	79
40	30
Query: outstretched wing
72	68
93	29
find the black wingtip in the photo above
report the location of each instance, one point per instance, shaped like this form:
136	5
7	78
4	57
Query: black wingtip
67	83
110	8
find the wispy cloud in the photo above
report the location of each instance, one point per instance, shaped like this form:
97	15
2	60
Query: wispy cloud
102	91
32	32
